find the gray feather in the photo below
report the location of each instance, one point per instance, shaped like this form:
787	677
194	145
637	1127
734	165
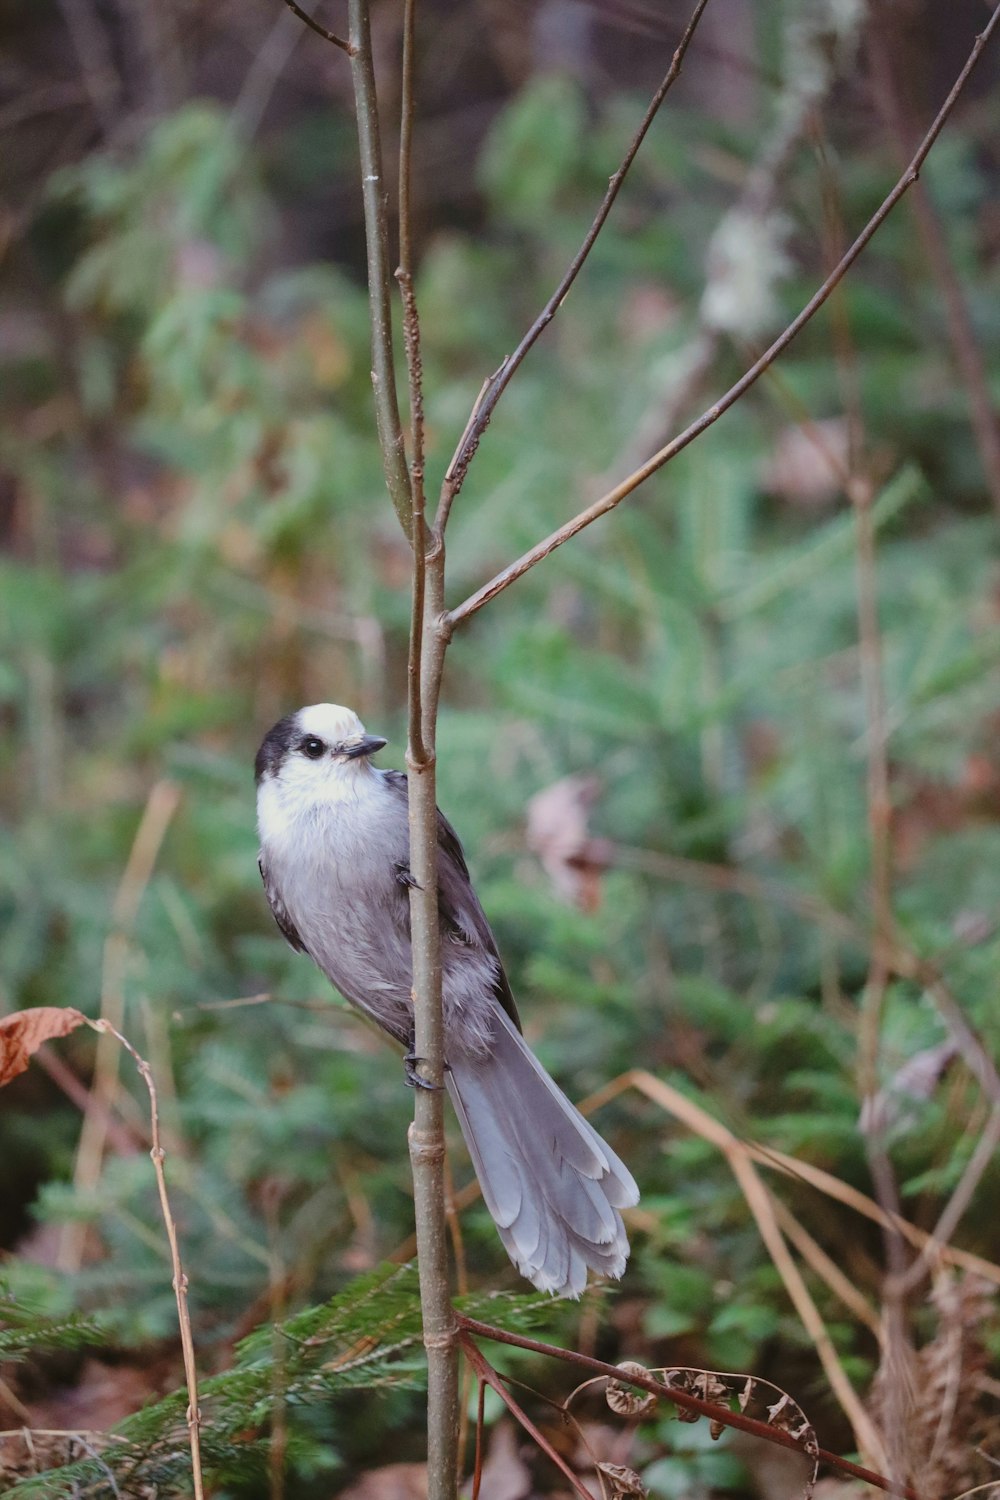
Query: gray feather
551	1184
335	863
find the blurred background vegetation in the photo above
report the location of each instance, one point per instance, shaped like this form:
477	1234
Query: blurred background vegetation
195	538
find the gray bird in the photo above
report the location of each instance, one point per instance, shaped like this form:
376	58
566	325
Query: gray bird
334	857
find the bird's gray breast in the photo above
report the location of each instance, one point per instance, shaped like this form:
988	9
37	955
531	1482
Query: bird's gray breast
341	871
336	874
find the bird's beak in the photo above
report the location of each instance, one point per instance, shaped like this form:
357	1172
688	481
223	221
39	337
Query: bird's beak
365	744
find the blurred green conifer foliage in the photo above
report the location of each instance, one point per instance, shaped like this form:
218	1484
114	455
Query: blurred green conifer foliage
201	542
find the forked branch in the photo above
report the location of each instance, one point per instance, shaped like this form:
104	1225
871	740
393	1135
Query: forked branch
313	24
621	491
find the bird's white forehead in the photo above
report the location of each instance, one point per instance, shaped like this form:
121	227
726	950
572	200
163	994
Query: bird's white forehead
330	721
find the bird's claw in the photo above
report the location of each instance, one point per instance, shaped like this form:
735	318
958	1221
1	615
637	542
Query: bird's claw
414	1080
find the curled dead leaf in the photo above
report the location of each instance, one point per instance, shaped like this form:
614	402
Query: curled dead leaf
701	1383
625	1399
25	1031
622	1481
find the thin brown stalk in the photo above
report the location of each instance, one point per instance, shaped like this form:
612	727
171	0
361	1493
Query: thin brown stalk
180	1281
828	1270
620	492
414	371
489	1377
477	1470
684	1399
498	382
966	351
390	431
896	1344
896	1348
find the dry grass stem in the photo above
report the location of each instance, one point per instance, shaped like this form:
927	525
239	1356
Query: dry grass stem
161	805
826	1269
180	1281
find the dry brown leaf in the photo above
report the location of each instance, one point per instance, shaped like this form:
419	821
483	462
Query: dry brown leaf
557	831
622	1481
624	1399
704	1384
25	1031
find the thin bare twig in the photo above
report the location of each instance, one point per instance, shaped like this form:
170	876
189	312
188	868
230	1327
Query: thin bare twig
498	382
390	431
329	36
414	370
614	497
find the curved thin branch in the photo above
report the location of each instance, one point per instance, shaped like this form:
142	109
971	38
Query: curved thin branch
498	382
614	497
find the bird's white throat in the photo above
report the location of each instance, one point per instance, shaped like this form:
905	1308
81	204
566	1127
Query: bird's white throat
291	803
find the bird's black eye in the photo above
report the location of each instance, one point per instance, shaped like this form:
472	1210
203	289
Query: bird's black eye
312	746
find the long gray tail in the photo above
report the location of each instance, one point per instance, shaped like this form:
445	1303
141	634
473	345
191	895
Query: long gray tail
553	1186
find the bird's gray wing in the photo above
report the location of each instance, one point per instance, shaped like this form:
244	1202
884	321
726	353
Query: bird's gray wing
278	909
461	914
